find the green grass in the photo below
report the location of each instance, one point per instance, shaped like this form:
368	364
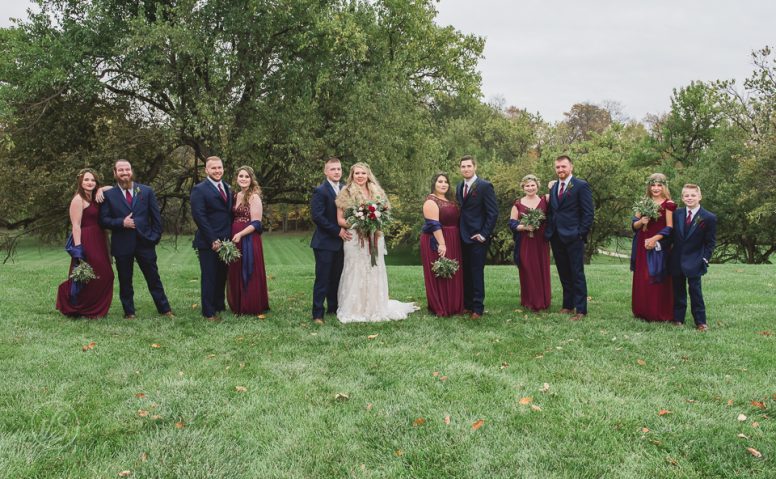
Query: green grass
69	413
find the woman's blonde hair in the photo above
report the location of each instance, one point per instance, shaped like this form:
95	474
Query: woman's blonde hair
352	193
254	187
658	179
528	179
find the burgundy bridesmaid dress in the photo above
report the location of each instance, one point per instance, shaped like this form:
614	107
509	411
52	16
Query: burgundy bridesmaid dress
93	301
445	296
535	291
652	301
250	298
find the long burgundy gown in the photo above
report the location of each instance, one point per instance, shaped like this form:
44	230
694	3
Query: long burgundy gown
93	301
445	295
535	291
251	298
652	301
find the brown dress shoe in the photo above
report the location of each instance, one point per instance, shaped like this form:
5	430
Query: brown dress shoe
169	314
467	311
129	316
475	316
578	317
318	321
702	327
213	319
566	311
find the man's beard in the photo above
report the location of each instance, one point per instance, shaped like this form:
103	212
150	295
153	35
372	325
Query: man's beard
124	184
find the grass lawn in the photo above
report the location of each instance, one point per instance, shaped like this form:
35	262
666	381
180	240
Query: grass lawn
278	397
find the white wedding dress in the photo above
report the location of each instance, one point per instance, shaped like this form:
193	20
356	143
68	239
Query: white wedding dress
363	288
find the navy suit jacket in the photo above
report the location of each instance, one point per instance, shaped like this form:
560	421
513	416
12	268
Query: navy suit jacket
479	210
571	217
693	245
211	213
324	213
145	212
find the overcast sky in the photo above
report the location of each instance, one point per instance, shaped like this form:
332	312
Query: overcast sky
546	55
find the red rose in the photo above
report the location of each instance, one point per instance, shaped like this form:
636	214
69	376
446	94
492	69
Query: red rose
372	208
372	216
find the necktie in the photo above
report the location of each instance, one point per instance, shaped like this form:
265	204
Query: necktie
128	196
688	220
465	190
562	189
223	195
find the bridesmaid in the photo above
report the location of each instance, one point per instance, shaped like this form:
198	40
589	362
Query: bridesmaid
652	296
246	289
441	238
89	244
532	254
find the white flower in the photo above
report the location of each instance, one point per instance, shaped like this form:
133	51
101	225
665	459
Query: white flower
359	214
377	214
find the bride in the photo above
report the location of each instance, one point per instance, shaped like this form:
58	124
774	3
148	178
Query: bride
363	288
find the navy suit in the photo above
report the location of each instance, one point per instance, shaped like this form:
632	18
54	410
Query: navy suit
569	220
691	252
327	246
479	211
213	217
139	244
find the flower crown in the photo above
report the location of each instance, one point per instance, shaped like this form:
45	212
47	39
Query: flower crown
656	182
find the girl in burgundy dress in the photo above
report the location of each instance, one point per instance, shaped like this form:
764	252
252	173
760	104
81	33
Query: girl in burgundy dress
88	243
652	294
441	237
246	289
532	251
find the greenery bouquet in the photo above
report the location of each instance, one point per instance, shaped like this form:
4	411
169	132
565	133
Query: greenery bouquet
646	208
444	267
228	252
83	273
532	217
369	219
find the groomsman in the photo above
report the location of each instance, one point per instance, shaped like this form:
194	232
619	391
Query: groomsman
327	240
569	219
479	211
131	212
694	238
211	208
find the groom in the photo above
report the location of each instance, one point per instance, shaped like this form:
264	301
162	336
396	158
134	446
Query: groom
327	240
479	211
131	212
569	220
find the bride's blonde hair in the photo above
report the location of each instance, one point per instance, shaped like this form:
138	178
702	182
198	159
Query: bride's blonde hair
352	193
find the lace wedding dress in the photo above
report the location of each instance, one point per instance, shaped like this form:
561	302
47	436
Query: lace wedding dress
363	288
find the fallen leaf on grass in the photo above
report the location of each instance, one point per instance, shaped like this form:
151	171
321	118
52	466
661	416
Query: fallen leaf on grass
211	356
398	453
142	413
742	436
156	417
518	311
435	373
89	346
663	412
125	473
194	306
478	424
241	389
372	336
156	345
526	400
545	387
443	378
262	316
140	395
447	419
504	365
180	424
369	406
418	422
535	407
641	362
764	333
143	457
341	397
645	429
742	417
758	404
755	424
754	452
730	402
671	461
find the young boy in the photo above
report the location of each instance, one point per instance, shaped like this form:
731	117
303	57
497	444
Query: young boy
694	238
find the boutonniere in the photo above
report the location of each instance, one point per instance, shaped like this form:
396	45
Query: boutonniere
698	221
137	192
571	185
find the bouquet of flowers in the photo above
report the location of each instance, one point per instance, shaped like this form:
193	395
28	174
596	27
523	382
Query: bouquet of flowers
646	208
444	267
83	273
532	217
369	219
228	252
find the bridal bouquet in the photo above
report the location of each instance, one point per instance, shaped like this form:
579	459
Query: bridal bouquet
646	208
532	217
228	252
368	219
83	273
444	267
